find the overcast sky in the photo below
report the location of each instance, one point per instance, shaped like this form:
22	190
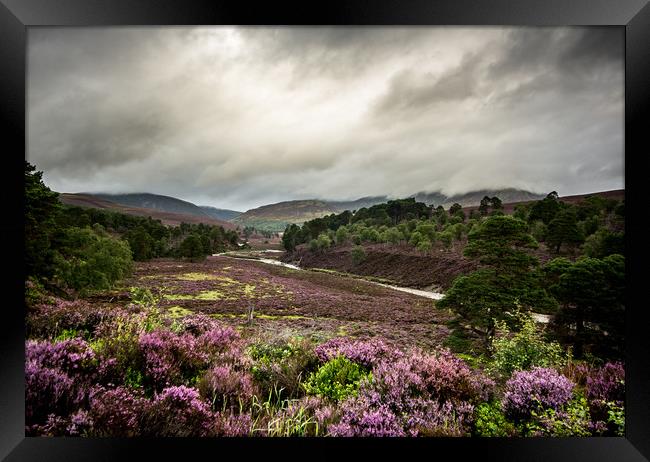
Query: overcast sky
241	117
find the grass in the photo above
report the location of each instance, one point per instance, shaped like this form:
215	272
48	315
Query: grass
178	311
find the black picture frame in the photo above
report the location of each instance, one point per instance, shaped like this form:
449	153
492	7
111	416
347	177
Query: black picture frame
17	15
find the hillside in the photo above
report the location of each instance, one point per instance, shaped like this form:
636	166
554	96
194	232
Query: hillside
220	214
275	217
154	201
168	218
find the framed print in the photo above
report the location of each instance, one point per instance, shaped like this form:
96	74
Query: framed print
351	227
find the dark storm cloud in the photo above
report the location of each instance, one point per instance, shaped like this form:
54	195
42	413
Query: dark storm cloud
239	117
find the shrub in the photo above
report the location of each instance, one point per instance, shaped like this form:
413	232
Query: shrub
51	319
524	349
225	388
490	421
367	353
571	420
535	390
169	358
91	262
279	369
116	412
337	379
358	255
178	411
417	394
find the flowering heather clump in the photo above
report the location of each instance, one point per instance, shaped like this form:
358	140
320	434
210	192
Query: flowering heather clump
72	356
80	423
198	323
416	395
47	391
56	378
178	411
218	340
170	358
49	320
362	418
224	387
367	353
528	391
229	424
607	383
116	412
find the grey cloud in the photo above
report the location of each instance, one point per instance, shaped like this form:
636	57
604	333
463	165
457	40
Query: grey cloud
240	117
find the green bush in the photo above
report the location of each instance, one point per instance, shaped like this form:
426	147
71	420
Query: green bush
91	262
490	421
279	369
524	349
573	420
337	379
358	255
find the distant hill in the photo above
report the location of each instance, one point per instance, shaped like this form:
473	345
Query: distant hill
168	218
275	217
220	214
154	201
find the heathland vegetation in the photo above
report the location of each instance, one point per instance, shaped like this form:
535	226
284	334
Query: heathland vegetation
131	331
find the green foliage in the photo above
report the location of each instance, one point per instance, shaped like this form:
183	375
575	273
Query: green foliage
603	243
337	379
573	420
279	369
546	209
524	349
508	281
358	255
342	235
192	248
142	296
88	262
591	290
616	417
42	210
490	421
500	242
424	245
563	229
538	230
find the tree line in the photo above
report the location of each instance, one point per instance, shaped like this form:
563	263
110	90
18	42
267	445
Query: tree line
582	286
69	247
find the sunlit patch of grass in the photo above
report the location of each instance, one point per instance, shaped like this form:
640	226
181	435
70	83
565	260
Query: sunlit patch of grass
287	316
249	289
196	277
178	311
210	295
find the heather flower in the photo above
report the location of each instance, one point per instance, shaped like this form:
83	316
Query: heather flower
367	353
198	323
231	425
170	358
225	387
218	340
116	412
178	411
72	356
607	383
527	391
80	423
359	419
47	391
